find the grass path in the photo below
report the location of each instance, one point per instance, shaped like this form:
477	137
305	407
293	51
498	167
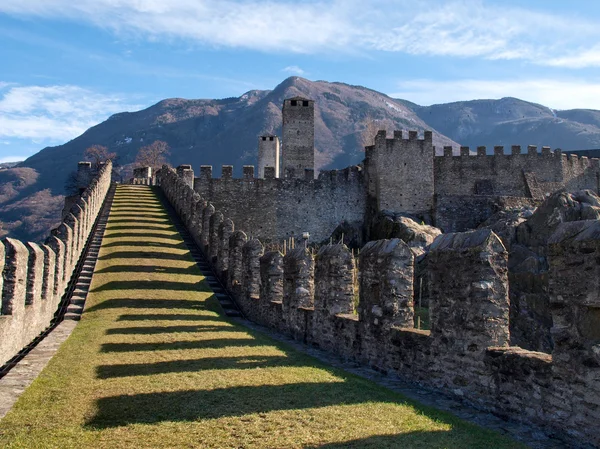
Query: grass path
152	364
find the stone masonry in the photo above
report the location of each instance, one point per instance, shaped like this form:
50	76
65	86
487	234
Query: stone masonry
34	277
467	352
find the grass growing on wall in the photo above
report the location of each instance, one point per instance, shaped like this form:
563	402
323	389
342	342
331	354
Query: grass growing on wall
152	364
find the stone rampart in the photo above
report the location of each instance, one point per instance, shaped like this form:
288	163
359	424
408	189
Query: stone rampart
275	209
35	277
518	174
467	352
400	173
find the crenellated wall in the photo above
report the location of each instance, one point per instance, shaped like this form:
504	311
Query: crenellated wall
34	277
467	353
400	173
274	209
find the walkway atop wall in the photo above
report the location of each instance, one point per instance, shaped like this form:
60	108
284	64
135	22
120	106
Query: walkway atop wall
154	363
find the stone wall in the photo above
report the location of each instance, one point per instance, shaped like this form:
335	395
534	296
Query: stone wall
467	353
35	277
274	210
400	173
503	174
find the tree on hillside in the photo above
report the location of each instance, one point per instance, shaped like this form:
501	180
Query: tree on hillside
97	154
153	155
370	128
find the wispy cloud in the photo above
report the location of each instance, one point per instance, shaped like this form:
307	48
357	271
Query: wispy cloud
54	114
463	28
294	70
4	159
558	94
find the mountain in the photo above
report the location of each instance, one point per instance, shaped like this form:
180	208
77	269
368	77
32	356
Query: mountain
225	131
217	132
510	121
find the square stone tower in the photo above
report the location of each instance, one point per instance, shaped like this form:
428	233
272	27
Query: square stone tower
400	173
268	154
298	152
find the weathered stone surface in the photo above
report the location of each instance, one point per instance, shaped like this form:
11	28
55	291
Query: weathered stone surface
225	230
251	254
559	208
469	304
207	212
14	291
386	284
271	288
49	272
2	260
386	295
574	259
35	273
298	289
215	221
235	273
504	223
58	247
390	225
335	273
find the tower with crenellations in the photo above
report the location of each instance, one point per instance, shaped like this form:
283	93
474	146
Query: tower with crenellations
268	154
298	132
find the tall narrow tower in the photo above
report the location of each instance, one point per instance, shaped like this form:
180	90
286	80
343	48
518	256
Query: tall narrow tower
268	154
298	152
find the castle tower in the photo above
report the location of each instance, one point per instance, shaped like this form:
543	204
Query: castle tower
400	175
268	154
298	152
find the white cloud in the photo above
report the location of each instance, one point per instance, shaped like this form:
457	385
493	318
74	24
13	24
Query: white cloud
557	94
54	114
293	69
463	28
4	159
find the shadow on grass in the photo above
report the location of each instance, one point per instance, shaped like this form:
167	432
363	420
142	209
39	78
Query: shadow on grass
134	219
418	439
177	243
144	255
137	215
200	286
154	330
192	405
192	269
143	227
166	317
143	235
192	366
128	303
215	343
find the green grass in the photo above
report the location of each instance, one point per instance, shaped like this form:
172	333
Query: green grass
152	364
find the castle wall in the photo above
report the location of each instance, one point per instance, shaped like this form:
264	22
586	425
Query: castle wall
400	173
273	210
34	277
298	132
467	353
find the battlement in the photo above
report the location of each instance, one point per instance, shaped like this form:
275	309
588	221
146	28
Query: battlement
467	352
515	150
499	151
34	277
398	135
400	172
348	174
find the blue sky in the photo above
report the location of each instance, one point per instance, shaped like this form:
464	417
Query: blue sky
67	65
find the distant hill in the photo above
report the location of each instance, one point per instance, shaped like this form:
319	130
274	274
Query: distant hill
5	165
510	121
225	131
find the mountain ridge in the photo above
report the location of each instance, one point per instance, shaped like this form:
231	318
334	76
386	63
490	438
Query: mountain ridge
225	131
